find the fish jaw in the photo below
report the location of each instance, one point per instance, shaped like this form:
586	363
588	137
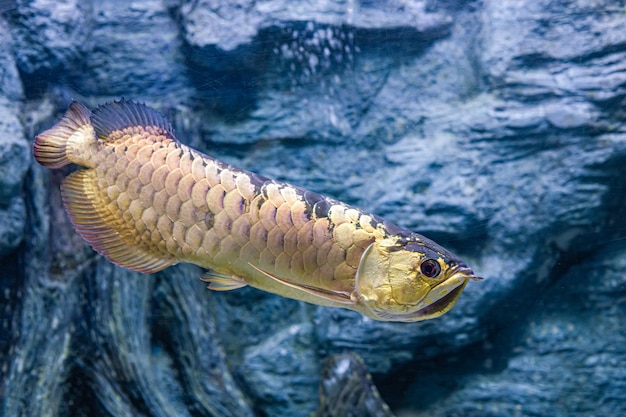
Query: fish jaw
428	308
441	298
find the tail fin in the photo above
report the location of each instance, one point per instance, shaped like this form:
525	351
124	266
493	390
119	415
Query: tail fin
50	147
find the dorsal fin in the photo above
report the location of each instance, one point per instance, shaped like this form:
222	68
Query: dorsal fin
118	115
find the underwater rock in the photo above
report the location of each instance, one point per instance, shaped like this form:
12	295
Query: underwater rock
575	353
136	323
12	232
281	373
347	389
14	160
10	82
282	63
14	148
44	309
137	53
228	25
49	36
496	128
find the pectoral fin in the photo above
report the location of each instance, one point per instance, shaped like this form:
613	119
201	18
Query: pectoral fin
223	282
334	296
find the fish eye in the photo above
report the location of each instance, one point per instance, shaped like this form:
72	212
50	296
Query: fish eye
430	268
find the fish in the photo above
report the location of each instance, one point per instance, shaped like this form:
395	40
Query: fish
145	201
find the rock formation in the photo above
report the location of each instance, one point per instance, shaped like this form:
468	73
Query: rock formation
495	127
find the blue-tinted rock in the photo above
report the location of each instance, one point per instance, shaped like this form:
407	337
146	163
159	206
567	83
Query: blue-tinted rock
135	326
12	228
566	359
295	69
14	149
49	36
230	24
282	372
347	389
136	52
10	83
496	128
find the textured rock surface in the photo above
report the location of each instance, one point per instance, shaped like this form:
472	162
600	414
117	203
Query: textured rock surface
559	361
49	38
347	387
495	127
14	149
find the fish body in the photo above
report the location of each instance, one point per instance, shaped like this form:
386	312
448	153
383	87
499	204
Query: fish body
145	201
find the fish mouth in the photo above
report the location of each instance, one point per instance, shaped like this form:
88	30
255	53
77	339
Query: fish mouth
454	286
440	306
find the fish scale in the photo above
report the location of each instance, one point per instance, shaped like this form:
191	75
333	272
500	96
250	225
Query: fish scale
145	201
189	207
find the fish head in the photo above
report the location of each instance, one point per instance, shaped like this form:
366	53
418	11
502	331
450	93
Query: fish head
409	279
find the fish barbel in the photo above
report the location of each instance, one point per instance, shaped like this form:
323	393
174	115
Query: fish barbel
145	202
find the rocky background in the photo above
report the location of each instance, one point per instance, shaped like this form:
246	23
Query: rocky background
496	127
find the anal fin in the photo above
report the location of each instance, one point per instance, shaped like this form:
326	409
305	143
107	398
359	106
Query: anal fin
102	229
